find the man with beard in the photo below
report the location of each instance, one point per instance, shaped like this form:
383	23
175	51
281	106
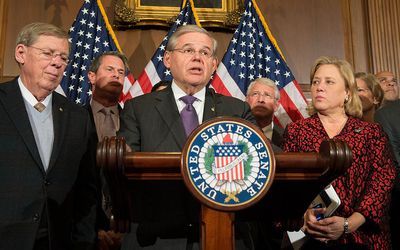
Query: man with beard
389	85
263	97
106	74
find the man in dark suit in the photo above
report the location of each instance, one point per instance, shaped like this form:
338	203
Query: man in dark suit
47	175
152	123
263	97
106	75
388	117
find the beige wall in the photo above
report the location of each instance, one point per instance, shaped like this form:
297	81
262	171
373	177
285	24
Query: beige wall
304	30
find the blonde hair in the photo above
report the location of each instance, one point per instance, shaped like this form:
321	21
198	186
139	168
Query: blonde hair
352	106
373	85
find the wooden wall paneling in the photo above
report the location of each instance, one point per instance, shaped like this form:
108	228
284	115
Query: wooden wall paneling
384	23
339	28
356	38
348	35
3	29
57	12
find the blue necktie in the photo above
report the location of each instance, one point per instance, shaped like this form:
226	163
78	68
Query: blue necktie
188	114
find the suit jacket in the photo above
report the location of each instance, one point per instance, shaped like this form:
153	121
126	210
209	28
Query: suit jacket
388	117
65	194
152	123
277	136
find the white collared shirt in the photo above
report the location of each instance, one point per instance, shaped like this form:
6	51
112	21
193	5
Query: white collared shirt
198	104
28	96
268	130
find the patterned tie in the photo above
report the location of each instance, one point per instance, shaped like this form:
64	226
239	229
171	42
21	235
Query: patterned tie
108	127
39	106
188	114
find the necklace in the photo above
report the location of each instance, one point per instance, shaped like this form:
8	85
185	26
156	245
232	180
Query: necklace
332	129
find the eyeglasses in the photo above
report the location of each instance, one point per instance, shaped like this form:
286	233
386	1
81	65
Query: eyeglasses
261	94
49	55
387	81
206	53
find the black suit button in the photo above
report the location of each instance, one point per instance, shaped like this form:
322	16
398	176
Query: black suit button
47	182
36	218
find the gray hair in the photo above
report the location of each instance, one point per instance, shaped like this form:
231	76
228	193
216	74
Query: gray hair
31	32
267	82
190	29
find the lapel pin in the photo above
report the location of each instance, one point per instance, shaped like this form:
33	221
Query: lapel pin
213	109
61	109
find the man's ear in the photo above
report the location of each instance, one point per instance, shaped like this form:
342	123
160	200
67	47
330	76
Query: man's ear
276	106
20	53
167	59
92	79
215	63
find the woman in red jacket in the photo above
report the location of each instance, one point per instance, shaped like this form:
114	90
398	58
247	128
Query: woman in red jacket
364	189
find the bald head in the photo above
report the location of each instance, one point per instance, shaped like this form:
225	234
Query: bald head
389	85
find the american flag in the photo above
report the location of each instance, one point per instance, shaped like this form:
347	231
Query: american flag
155	70
228	165
254	53
90	36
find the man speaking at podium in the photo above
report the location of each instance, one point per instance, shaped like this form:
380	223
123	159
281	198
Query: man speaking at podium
161	121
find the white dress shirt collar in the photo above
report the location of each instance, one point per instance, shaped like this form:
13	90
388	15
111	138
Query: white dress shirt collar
27	95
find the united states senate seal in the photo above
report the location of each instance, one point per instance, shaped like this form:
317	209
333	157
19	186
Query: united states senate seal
228	163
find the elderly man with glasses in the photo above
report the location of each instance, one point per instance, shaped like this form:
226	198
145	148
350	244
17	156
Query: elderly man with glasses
263	97
48	179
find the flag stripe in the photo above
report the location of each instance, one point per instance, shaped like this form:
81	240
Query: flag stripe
228	85
295	93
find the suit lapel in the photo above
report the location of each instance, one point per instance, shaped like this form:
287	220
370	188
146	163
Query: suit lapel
210	105
60	124
277	138
15	107
168	111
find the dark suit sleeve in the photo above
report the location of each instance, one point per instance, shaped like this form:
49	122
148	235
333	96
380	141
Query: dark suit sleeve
129	127
230	106
386	120
247	115
84	234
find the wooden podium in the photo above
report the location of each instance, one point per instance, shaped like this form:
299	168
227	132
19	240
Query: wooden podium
298	177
